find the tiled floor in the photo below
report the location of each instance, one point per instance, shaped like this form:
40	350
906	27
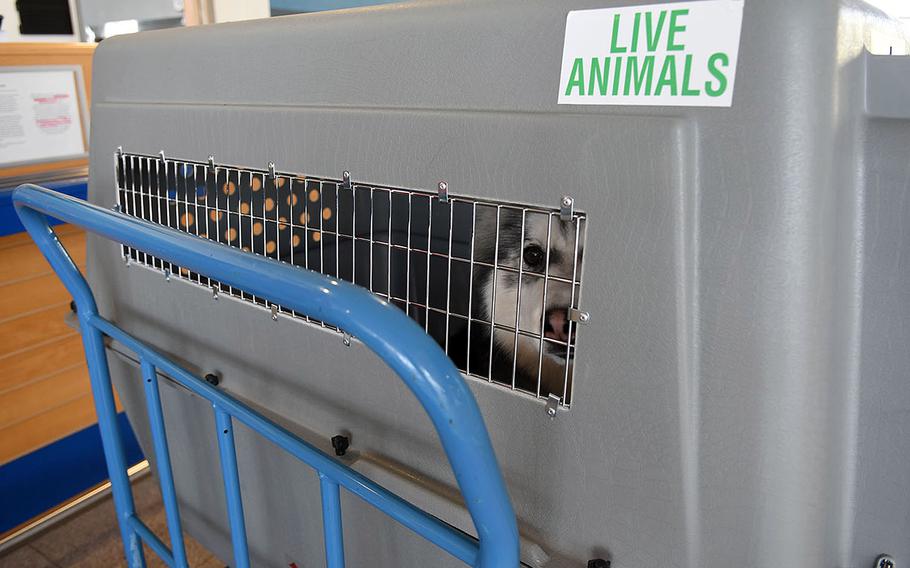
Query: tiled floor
91	538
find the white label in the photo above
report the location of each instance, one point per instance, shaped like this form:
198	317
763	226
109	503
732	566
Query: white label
39	117
678	54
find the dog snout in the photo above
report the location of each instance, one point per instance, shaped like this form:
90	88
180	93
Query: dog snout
557	324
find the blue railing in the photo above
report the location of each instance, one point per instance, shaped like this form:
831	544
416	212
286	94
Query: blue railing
398	341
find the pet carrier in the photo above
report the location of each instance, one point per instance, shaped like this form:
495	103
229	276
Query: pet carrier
663	244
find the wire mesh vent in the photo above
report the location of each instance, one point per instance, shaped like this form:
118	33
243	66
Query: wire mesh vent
512	321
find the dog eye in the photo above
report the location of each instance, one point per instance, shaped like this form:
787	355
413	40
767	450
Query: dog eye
534	256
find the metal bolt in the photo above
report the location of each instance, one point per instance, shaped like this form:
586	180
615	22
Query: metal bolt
443	192
340	444
884	561
346	339
274	312
567	208
579	316
552	404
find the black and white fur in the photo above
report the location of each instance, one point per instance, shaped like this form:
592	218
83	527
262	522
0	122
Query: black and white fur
550	313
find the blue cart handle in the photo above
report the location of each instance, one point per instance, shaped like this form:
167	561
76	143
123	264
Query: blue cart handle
385	329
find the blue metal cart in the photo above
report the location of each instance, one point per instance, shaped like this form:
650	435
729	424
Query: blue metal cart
394	337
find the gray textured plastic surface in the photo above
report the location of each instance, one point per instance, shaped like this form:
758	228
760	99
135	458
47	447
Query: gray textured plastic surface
741	392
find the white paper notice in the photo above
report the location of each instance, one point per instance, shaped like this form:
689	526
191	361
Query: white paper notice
39	116
675	54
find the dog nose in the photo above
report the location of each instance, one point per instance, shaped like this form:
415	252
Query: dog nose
558	327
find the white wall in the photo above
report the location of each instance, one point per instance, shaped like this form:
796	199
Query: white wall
897	8
234	10
894	42
10	27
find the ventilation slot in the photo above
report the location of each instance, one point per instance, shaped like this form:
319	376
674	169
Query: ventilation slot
496	284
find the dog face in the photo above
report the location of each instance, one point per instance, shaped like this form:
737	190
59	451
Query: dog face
540	305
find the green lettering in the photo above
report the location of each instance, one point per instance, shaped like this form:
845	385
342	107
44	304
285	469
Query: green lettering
653	36
687	72
674	28
597	76
635	26
617	69
577	77
614	48
667	76
640	76
713	61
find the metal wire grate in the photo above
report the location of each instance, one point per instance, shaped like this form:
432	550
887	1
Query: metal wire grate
496	284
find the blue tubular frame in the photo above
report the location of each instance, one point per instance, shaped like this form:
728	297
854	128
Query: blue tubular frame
387	331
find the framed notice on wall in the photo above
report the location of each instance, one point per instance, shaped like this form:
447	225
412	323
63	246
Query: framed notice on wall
43	115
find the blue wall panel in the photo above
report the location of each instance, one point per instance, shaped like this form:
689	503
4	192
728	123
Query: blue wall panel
298	6
56	473
9	221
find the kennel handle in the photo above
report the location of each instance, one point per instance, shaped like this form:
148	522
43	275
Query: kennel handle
387	331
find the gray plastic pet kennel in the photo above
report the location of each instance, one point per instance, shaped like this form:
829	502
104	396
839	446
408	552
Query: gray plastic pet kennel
738	391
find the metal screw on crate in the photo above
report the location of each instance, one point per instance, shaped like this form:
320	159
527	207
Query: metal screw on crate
885	561
579	316
566	208
552	404
341	444
443	191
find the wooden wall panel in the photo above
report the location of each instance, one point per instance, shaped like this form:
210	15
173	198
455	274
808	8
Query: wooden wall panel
39	430
44	388
19	262
40	396
21	333
41	361
30	294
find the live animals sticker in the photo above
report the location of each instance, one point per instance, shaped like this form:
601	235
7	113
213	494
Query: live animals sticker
677	54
